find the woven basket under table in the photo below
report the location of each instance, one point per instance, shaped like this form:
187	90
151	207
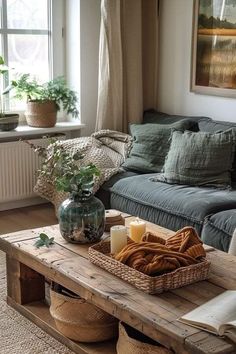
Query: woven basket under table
99	254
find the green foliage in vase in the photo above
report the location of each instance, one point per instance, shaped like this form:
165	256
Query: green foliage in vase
65	170
55	90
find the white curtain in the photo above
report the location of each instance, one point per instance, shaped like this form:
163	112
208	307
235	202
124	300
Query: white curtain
127	62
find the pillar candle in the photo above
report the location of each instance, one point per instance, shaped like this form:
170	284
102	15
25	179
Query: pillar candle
118	238
137	229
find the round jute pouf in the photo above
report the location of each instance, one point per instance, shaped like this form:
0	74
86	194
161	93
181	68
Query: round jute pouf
76	319
129	344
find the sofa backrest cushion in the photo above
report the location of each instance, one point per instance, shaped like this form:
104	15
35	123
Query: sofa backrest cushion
213	126
151	144
152	116
200	159
205	124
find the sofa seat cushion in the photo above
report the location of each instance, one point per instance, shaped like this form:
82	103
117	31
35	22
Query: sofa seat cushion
218	229
104	192
169	205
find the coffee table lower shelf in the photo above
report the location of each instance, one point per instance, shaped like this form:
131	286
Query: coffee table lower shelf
38	313
156	316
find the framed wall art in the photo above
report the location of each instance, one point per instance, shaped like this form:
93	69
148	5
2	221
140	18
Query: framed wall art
213	69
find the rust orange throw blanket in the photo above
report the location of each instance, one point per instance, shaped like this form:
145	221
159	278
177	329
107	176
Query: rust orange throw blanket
154	255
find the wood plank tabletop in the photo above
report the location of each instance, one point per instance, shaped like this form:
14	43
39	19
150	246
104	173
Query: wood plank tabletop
155	315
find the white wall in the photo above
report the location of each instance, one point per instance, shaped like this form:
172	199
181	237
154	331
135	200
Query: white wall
175	59
82	49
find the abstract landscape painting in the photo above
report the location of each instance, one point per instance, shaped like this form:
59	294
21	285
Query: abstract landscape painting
215	45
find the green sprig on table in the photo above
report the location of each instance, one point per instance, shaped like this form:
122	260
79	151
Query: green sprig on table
44	240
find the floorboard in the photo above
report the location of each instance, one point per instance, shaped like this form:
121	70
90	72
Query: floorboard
27	218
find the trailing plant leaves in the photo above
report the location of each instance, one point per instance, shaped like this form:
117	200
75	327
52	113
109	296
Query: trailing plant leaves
44	240
65	170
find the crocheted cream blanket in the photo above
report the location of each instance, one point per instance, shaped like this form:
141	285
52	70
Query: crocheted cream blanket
107	149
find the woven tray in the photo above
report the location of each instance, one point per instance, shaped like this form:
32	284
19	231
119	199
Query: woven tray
99	255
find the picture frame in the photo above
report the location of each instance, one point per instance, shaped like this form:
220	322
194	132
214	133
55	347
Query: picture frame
213	64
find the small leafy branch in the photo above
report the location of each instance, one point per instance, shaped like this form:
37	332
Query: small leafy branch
44	240
64	170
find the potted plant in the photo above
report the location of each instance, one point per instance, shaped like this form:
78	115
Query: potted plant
45	100
81	215
7	121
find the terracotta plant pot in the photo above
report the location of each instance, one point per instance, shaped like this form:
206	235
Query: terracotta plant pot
81	321
9	122
41	114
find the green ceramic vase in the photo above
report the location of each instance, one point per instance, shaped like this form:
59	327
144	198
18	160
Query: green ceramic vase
82	218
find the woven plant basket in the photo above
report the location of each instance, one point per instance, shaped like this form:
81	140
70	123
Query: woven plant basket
99	254
78	320
133	342
41	114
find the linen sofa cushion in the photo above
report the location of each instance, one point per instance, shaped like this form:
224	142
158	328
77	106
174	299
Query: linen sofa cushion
218	229
200	158
151	144
213	126
169	205
205	124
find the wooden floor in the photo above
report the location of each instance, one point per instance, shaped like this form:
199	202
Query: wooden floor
27	218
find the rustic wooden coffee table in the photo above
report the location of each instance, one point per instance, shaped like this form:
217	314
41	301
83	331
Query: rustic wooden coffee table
154	315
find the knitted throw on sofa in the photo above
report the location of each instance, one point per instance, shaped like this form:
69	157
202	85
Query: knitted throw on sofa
107	149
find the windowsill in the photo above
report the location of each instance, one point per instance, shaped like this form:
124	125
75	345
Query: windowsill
25	130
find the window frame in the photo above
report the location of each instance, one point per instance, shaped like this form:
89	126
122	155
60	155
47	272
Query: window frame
55	33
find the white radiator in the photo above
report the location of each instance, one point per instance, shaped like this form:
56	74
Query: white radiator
18	167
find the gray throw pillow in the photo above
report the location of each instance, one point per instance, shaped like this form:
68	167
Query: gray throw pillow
151	144
200	159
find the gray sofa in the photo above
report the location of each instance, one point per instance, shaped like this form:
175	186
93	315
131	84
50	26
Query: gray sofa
211	211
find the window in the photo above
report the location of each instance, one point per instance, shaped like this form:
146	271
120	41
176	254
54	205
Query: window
26	38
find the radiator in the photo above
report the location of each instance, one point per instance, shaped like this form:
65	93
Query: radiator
18	172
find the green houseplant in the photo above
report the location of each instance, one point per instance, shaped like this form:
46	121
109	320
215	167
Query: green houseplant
45	100
8	121
81	215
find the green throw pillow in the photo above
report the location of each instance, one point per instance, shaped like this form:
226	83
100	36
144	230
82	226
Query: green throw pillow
200	158
151	144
